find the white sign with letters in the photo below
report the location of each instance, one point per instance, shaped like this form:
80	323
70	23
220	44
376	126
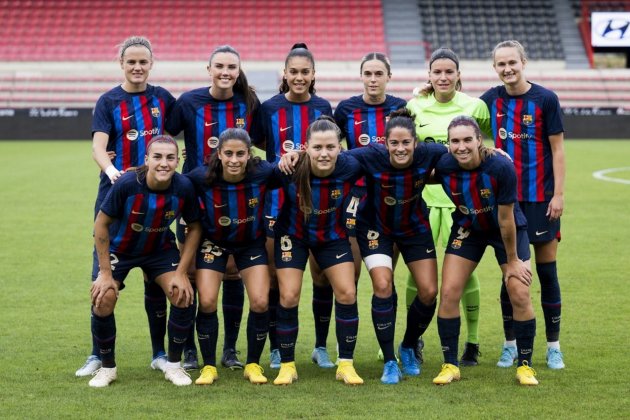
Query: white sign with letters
610	29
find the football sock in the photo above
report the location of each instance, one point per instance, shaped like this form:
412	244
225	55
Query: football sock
232	304
155	306
448	328
190	340
274	299
419	317
506	311
207	334
384	320
287	332
347	327
257	327
550	299
179	324
322	309
470	303
104	334
525	332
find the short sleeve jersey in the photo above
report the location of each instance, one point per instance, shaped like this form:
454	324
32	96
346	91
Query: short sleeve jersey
432	120
144	216
131	120
326	223
394	203
203	118
362	123
478	193
521	125
233	212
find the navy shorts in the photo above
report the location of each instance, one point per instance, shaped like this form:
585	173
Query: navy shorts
213	257
539	228
290	252
412	248
471	244
154	265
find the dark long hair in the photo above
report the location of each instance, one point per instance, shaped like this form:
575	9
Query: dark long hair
241	86
298	50
215	167
302	175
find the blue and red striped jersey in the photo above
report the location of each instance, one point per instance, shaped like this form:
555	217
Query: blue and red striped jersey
521	125
478	193
203	118
233	212
131	120
326	222
281	125
394	196
362	123
143	216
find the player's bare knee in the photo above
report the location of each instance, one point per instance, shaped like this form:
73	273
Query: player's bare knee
207	304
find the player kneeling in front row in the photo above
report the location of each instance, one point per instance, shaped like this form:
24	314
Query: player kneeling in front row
482	185
132	230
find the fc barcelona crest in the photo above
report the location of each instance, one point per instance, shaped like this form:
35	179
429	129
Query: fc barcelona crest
240	122
155	111
528	119
334	194
485	193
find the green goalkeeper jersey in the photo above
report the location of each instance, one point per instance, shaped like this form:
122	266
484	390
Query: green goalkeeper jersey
432	120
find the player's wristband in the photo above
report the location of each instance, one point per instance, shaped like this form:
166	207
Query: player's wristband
111	172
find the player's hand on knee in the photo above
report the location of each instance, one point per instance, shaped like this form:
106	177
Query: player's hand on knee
100	286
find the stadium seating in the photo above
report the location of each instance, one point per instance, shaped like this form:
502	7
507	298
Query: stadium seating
72	30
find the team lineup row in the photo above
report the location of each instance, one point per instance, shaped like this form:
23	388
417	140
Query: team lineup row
260	225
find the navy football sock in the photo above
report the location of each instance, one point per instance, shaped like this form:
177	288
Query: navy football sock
506	311
419	317
287	332
232	303
448	328
525	332
104	334
274	298
190	339
179	325
384	320
347	326
322	309
155	307
550	299
207	334
257	327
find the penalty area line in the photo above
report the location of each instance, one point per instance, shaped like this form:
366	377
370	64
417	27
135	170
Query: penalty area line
603	175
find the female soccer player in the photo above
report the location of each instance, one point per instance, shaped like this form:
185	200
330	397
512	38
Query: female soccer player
362	120
435	106
132	230
125	120
482	185
527	124
232	192
281	127
311	221
203	114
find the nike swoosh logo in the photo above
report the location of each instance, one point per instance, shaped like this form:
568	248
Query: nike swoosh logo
339	256
174	264
252	258
423	125
388	186
555	321
212	123
541	233
218	206
430	250
499	115
359	122
456	193
382	327
127	117
136	212
282	129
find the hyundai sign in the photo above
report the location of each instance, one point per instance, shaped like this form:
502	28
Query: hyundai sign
610	29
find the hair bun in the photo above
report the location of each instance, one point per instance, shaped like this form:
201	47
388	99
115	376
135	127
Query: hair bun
299	45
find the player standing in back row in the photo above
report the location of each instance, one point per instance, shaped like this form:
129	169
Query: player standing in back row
527	124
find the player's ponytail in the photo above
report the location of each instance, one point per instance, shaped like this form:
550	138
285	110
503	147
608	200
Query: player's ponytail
298	50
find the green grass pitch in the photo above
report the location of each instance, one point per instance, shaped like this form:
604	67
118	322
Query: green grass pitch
48	191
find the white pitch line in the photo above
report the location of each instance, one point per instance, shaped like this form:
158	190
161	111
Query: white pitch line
602	175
